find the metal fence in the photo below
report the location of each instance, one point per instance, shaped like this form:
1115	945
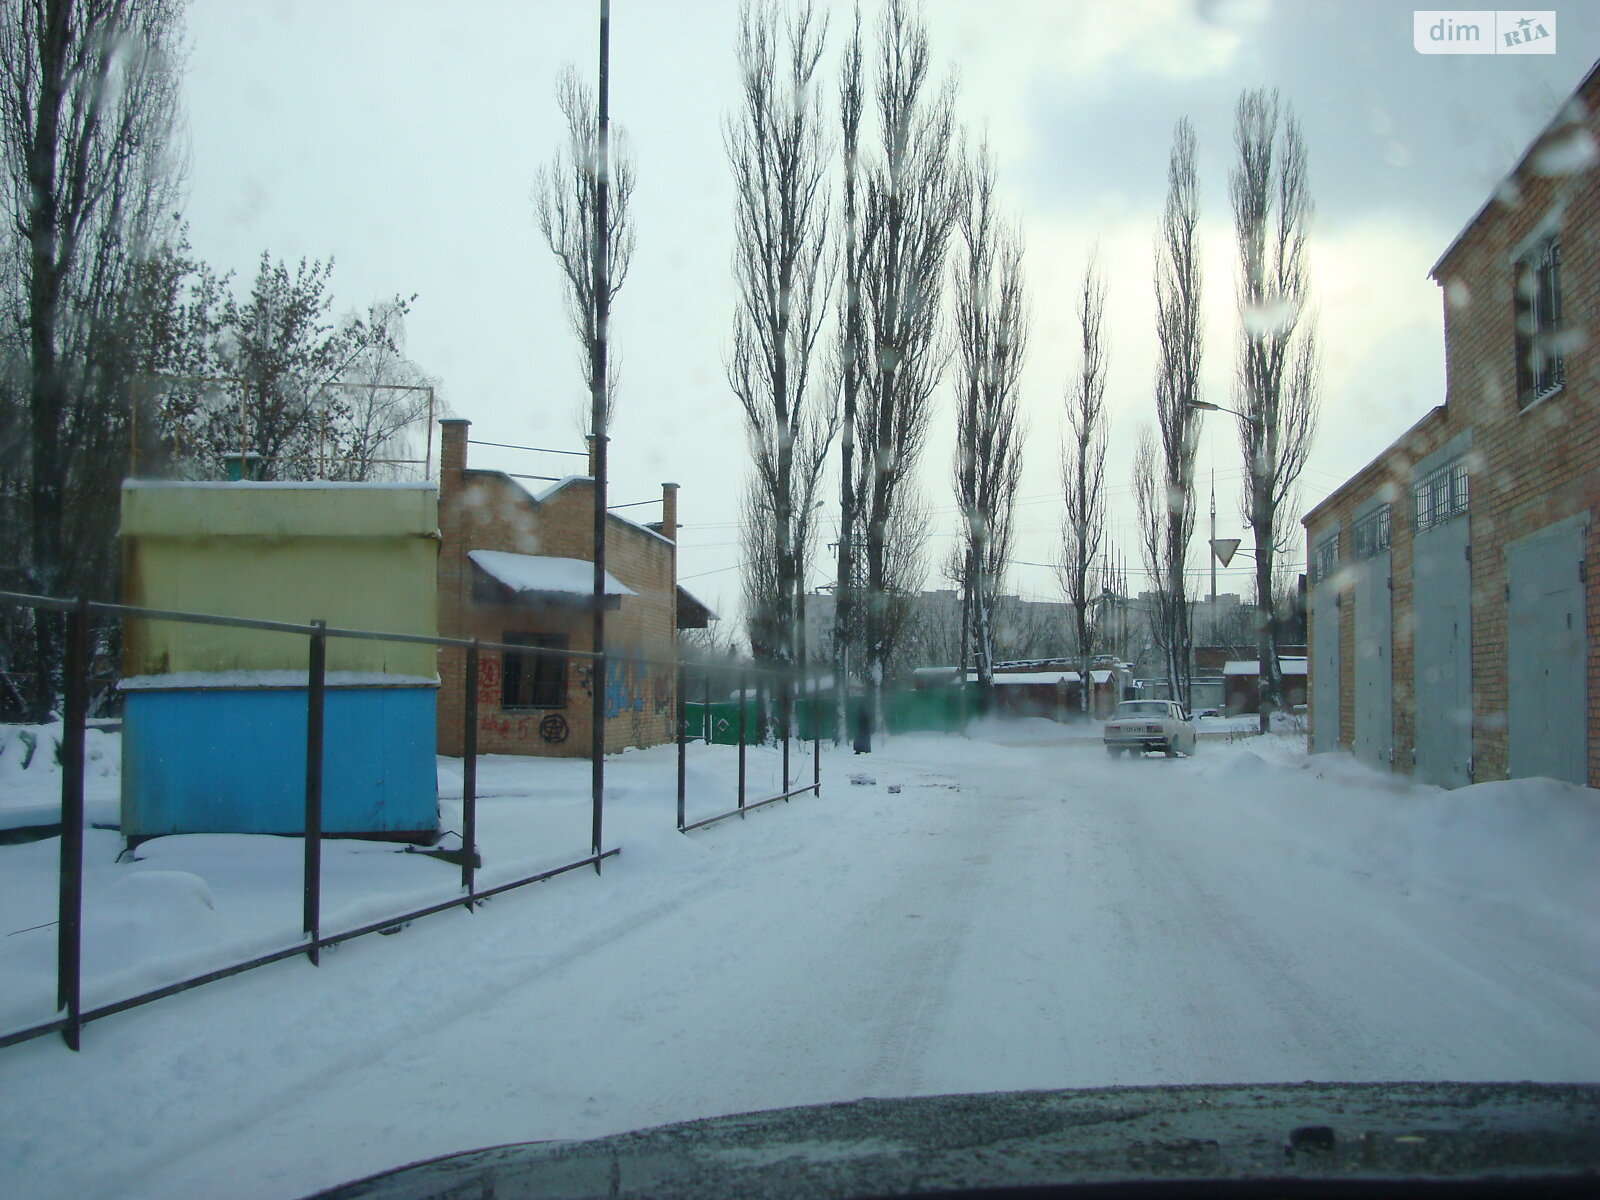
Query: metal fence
747	710
71	1013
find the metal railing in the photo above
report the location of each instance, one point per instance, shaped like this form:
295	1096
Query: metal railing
784	732
72	1015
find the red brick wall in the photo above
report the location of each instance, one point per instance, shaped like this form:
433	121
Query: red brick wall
1528	467
1531	466
484	510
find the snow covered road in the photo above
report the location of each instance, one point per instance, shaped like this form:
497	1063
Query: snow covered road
1024	915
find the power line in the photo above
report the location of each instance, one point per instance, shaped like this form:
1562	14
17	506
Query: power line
535	449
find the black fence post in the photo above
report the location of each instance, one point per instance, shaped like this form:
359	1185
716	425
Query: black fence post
816	751
785	719
469	775
683	742
69	928
707	725
742	681
316	673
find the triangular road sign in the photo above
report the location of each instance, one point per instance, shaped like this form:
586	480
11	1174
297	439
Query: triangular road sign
1224	549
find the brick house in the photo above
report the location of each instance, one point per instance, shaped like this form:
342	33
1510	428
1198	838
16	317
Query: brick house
1455	580
517	567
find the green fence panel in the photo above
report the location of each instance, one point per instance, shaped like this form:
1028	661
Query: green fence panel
936	710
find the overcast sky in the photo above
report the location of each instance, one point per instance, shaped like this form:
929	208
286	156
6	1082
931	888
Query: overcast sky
402	138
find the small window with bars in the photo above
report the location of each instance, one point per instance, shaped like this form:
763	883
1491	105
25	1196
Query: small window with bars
1537	287
1325	558
1369	537
532	680
1441	495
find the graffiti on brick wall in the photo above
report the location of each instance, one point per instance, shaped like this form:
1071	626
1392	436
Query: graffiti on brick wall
625	676
489	679
520	728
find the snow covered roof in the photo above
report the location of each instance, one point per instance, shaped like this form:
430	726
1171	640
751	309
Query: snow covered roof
1100	676
268	679
685	594
1252	666
1016	678
539	573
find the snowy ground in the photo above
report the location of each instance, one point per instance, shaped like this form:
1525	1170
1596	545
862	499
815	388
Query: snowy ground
1022	912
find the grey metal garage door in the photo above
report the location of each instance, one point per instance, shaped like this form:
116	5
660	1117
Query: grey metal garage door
1546	639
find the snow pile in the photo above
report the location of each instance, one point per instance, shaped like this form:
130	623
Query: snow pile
1518	842
30	775
1528	845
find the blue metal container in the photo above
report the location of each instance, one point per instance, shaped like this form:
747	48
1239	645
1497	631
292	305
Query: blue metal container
232	760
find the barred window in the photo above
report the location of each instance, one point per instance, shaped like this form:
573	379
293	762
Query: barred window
1325	558
1441	495
1537	287
1369	536
530	679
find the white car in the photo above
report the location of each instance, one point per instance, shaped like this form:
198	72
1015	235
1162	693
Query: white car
1140	725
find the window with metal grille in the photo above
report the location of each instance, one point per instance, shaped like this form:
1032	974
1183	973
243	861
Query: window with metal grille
1325	558
1369	536
1537	288
530	679
1441	495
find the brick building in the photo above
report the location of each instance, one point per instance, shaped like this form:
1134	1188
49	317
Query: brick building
517	567
1455	580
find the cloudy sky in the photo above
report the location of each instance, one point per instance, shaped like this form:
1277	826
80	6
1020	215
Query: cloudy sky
402	137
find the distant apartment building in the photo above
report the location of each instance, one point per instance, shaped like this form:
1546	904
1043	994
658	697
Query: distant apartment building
1455	580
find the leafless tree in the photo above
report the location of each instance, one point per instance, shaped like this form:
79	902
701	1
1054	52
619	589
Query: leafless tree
1277	377
88	98
1165	477
385	398
778	151
910	203
848	632
991	334
1084	466
565	198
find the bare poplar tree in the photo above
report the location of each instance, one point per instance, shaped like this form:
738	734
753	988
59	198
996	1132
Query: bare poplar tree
991	334
1084	467
88	98
1277	377
565	199
847	624
778	151
910	202
1167	496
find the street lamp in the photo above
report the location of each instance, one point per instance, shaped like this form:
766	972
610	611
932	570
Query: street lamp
1207	406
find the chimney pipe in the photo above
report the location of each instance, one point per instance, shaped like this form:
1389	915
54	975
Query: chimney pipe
669	511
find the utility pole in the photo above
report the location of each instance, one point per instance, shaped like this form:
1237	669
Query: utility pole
597	420
1213	554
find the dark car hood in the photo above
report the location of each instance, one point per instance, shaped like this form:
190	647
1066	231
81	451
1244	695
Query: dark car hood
926	1145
